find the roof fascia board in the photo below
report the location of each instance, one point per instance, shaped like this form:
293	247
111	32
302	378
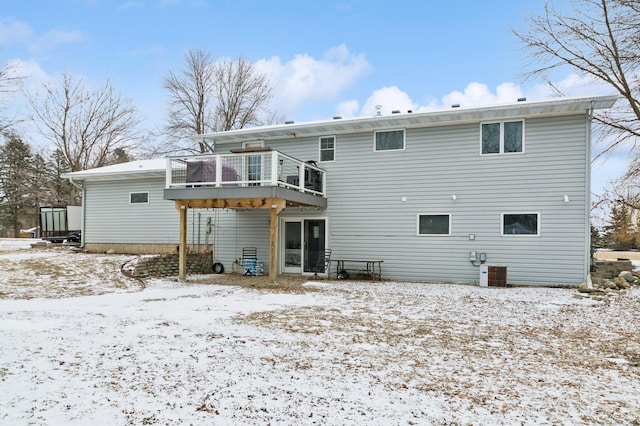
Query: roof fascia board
554	107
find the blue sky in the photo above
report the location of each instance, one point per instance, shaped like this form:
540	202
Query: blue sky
324	58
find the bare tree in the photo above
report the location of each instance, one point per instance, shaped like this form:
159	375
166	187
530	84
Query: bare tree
241	94
211	96
86	125
9	82
600	38
191	102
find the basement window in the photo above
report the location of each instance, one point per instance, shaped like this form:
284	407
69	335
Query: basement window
521	224
434	224
139	198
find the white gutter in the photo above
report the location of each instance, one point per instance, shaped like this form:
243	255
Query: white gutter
81	188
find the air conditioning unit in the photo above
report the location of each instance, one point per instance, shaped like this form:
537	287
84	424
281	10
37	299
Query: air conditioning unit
493	276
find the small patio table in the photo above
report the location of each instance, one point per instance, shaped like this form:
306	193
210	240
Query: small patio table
373	267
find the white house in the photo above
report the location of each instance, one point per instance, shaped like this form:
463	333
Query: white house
433	195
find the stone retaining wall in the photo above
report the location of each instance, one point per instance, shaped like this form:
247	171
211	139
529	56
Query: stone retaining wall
609	269
168	265
127	248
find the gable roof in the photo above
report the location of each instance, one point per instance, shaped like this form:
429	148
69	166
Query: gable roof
553	107
130	170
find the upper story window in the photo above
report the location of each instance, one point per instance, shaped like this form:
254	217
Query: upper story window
328	148
139	198
434	224
503	137
389	140
521	224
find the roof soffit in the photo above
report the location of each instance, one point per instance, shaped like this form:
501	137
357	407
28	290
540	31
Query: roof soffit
555	107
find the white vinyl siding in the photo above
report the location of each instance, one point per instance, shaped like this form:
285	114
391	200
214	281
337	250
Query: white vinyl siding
374	200
107	201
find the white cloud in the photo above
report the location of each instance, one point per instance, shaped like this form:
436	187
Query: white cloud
18	32
393	98
389	99
305	78
12	31
32	72
348	108
53	38
477	94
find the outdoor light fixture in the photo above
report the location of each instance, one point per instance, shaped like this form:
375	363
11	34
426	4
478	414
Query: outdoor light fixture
566	198
453	197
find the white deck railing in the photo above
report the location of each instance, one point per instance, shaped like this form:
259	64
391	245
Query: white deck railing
247	169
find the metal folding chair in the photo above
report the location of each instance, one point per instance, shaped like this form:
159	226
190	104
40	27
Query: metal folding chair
250	262
323	264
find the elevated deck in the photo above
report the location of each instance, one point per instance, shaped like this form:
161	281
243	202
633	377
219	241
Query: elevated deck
245	179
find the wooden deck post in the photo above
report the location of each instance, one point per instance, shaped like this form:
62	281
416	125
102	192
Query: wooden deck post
273	240
182	252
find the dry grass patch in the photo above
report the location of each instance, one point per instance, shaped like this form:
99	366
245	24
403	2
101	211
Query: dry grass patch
291	284
60	273
454	348
615	255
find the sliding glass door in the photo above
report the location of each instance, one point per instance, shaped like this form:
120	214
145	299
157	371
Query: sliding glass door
303	244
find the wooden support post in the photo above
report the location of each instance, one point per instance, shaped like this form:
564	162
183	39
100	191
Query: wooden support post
182	253
273	240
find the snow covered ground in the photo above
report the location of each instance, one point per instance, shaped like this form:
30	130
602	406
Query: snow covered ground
83	345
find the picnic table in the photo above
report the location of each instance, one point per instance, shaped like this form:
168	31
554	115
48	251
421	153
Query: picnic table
372	267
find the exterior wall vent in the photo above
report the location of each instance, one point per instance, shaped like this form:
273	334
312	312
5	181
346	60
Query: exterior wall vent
288	122
455	106
395	111
493	276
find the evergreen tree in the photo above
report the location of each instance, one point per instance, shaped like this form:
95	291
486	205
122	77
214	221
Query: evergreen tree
17	202
620	231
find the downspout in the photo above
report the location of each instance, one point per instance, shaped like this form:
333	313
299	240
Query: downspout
84	207
587	266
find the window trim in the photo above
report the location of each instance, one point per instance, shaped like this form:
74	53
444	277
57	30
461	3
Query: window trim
138	192
501	141
320	160
433	214
404	140
538	222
